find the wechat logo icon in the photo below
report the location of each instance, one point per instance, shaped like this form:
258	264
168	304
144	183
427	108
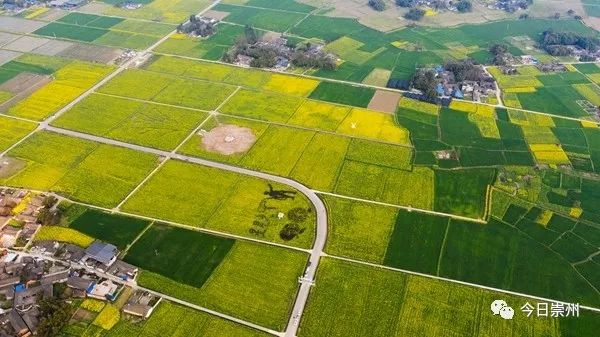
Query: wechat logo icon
500	307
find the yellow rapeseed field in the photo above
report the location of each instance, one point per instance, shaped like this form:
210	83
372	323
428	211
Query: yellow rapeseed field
69	82
590	124
549	154
576	212
375	125
544	218
520	90
416	105
291	85
463	106
63	234
108	317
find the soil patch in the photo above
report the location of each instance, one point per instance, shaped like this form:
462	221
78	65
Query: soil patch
10	166
384	100
26	44
88	52
228	139
7	56
22	86
53	48
218	15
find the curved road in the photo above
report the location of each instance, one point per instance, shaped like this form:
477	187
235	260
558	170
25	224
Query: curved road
308	278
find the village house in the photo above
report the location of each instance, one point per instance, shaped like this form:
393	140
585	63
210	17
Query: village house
141	304
100	253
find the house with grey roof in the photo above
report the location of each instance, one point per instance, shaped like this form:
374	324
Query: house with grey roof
101	252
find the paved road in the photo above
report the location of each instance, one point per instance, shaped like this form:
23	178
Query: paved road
320	234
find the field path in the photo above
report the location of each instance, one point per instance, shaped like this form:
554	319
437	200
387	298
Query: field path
307	280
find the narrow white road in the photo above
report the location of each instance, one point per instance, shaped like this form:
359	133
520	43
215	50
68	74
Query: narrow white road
308	278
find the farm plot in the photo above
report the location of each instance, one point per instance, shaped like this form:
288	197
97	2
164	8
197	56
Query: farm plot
262	105
148	124
319	115
517	259
82	170
363	123
343	94
359	230
351	302
463	192
12	131
170	320
320	162
182	255
398	187
406	251
278	149
105	30
256	283
63	234
160	88
211	48
267	19
561	94
231	203
168	11
116	229
69	82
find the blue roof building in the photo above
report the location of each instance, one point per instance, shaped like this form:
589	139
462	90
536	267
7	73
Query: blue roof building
440	89
102	252
458	94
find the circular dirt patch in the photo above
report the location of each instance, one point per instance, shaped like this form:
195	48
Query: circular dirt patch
228	139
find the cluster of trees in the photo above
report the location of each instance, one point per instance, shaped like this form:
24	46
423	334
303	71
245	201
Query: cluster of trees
556	43
464	70
415	14
378	5
291	230
464	6
49	216
301	57
500	53
265	55
424	80
55	315
197	27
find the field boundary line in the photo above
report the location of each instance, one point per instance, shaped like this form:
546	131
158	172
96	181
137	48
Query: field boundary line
356	84
167	222
410	209
150	175
475	285
149	102
443	248
300	127
135	286
126	250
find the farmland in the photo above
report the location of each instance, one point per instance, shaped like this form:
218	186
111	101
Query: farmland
76	168
69	82
171	320
355	300
105	30
12	131
478	199
160	247
232	203
148	124
264	279
116	229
